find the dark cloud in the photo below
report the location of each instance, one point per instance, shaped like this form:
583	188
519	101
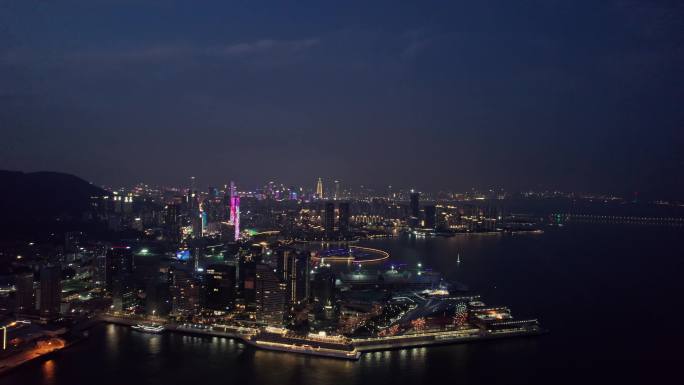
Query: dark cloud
161	52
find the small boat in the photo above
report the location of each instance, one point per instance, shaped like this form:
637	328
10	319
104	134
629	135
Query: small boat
152	328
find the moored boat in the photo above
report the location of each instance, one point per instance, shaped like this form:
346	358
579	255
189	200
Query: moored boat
148	328
314	344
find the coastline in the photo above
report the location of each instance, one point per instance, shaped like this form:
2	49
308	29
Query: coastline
360	345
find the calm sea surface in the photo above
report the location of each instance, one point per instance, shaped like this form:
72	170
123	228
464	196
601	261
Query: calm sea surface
611	297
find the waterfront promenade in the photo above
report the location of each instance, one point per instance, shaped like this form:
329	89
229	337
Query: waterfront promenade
404	341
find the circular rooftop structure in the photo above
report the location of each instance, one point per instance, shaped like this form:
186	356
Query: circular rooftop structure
351	254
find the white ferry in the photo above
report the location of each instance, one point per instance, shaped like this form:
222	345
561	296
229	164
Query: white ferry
152	328
313	344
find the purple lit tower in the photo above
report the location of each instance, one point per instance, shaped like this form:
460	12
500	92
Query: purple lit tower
235	210
236	219
232	201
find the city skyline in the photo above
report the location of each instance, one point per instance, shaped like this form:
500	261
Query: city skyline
335	189
341	192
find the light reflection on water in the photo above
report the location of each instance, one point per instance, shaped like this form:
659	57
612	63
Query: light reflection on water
269	365
154	344
48	371
112	336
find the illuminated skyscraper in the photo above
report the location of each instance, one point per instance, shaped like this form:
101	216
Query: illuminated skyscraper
232	203
270	296
323	289
205	223
236	220
293	269
247	280
414	219
284	263
235	210
220	284
302	270
319	189
337	190
192	201
185	293
196	224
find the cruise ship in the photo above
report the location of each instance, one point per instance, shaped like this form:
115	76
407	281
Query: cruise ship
152	328
314	344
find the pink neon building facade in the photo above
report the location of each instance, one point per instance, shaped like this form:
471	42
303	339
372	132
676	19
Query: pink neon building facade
235	210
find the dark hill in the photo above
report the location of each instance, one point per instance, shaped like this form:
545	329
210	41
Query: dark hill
40	200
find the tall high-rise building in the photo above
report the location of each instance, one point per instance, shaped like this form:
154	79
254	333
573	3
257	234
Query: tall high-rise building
99	276
337	190
430	216
196	220
323	288
235	210
319	189
119	265
50	291
343	218
157	297
119	276
323	291
236	219
247	280
284	262
300	275
204	217
232	194
293	269
192	201
270	296
414	219
100	271
185	292
329	220
172	223
220	287
25	299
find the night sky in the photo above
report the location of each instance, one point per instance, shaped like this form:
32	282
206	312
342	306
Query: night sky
574	95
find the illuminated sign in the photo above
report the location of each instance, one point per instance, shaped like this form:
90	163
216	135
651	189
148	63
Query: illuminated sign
183	255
